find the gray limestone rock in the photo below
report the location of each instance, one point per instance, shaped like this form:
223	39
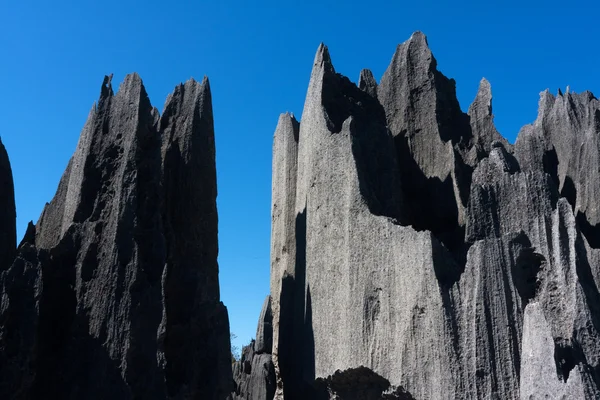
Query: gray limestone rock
264	331
283	242
343	207
254	373
566	133
455	266
194	332
254	376
367	82
433	140
482	120
122	299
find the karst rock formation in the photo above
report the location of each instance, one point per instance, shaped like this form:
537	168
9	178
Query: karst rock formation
114	293
416	254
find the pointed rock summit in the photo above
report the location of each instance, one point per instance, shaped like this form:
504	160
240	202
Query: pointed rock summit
425	256
482	120
119	278
415	253
367	82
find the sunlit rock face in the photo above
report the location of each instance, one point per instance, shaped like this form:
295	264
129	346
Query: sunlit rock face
417	254
114	294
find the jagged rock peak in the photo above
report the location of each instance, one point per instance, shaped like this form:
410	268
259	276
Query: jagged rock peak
415	52
106	90
129	304
323	59
367	82
264	330
482	121
491	292
545	104
29	237
288	125
412	78
191	91
187	114
483	99
8	212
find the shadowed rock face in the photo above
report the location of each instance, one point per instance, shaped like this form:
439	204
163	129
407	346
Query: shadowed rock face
414	248
114	293
8	212
254	373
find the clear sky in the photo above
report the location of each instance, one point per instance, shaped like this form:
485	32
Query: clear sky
258	56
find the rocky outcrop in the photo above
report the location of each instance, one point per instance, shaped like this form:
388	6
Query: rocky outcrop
114	293
254	373
413	247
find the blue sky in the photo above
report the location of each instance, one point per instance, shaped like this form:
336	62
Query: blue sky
258	56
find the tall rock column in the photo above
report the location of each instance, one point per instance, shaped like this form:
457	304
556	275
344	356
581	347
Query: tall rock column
283	240
195	327
119	279
364	286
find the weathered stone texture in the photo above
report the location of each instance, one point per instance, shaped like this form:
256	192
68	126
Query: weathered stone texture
119	279
429	254
254	373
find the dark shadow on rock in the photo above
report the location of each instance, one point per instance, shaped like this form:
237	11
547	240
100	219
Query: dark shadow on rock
372	143
592	297
567	355
377	168
453	124
292	322
526	268
550	164
357	384
70	363
287	364
591	232
447	272
341	99
308	345
432	202
569	192
57	314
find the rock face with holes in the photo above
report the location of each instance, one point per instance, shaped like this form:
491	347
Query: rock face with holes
114	293
417	254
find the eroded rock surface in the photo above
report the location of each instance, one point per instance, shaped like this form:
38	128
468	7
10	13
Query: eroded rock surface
114	293
413	247
254	373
